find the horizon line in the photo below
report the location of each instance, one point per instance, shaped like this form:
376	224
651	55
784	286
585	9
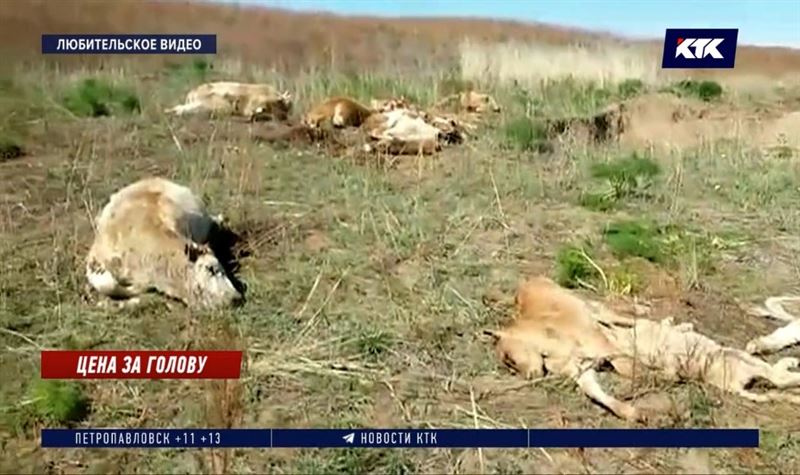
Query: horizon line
260	4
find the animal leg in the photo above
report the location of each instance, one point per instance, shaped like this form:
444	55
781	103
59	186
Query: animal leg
105	283
781	338
338	117
768	396
588	383
120	304
184	108
604	315
781	376
773	308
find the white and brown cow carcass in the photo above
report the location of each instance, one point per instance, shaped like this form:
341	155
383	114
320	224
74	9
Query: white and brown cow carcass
155	235
255	102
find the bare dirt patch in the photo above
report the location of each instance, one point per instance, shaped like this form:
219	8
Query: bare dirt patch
666	121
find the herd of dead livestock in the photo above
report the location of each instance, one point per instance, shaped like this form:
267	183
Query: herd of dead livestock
393	126
156	235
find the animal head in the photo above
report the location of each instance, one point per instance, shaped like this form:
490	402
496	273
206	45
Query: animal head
311	120
270	107
209	285
477	102
513	352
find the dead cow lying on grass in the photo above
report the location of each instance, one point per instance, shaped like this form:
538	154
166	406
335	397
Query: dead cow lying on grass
555	331
154	235
401	132
253	101
339	112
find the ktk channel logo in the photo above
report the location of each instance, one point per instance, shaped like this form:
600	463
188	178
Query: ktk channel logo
694	48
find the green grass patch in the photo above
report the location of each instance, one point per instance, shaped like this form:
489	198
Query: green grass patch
59	402
93	97
573	268
374	344
575	98
670	245
633	238
703	90
598	201
624	178
195	71
526	135
629	88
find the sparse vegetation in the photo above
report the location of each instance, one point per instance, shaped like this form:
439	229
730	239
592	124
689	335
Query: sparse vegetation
93	97
376	327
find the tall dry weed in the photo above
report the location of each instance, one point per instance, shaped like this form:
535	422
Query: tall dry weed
533	63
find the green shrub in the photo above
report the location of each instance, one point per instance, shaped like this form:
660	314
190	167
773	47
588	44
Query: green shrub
572	267
704	90
96	98
374	344
629	88
627	176
59	402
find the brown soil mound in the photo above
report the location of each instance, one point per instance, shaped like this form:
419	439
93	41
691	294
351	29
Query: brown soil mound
663	120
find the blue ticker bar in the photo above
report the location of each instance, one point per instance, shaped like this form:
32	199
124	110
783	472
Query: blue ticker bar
400	438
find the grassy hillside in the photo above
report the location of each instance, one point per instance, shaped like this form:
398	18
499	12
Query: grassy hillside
369	280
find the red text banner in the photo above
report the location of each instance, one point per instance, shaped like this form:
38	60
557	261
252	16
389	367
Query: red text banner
121	364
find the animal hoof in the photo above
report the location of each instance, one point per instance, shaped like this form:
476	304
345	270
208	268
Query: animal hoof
788	363
753	347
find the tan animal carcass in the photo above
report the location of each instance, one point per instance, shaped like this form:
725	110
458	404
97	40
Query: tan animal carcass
339	111
555	331
402	132
471	101
253	101
154	235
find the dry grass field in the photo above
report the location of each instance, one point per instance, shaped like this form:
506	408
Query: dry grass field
369	281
